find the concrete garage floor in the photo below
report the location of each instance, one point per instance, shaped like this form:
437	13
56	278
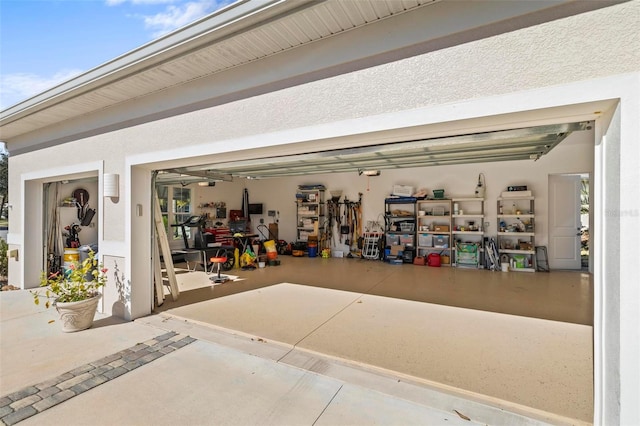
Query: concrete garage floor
518	341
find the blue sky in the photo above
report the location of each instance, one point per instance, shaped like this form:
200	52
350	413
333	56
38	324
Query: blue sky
45	42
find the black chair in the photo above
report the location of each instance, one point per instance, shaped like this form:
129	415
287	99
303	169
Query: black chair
204	243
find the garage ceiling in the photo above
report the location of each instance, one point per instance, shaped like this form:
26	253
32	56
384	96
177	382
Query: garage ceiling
506	145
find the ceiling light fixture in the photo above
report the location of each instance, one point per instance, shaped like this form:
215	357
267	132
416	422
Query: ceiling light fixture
369	172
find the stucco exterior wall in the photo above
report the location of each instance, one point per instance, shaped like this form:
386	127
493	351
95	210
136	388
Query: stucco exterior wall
570	49
601	43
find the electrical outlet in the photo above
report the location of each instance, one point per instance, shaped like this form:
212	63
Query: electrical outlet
261	220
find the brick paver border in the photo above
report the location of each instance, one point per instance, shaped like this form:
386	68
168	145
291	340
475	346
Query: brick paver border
32	400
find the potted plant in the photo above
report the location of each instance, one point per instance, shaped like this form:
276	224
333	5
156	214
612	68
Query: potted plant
75	292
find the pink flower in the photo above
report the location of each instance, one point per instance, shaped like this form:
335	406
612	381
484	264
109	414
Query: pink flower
104	270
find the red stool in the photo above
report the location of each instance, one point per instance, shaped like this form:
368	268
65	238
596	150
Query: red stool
217	261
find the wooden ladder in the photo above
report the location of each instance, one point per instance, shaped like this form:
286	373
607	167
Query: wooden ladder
163	242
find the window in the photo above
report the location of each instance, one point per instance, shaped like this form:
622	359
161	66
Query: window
175	205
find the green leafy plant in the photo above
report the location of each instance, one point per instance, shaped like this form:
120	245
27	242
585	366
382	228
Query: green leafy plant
80	281
4	262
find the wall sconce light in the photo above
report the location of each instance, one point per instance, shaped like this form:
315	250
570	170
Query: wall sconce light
110	185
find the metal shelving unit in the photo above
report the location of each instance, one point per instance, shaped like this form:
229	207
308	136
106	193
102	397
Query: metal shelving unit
400	222
516	232
468	232
434	229
309	212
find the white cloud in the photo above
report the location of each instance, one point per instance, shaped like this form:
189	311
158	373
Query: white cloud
178	16
176	13
15	88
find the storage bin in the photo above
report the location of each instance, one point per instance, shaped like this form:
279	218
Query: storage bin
393	240
406	239
402	190
441	241
406	226
425	240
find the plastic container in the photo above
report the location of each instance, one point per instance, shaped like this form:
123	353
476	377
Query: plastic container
270	246
313	251
71	255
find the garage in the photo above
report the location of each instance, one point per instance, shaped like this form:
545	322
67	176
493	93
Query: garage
233	96
317	315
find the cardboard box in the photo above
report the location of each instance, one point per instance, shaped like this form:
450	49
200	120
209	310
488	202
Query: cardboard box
525	245
441	228
273	231
395	249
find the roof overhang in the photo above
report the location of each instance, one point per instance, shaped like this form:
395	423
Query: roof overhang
248	31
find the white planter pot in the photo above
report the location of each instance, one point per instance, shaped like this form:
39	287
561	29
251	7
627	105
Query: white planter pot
76	316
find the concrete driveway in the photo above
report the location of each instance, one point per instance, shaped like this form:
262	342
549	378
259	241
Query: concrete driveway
162	370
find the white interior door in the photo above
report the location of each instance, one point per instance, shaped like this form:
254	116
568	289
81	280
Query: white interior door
564	221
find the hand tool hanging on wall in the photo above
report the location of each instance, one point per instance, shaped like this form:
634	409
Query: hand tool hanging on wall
82	198
338	220
329	220
344	229
349	214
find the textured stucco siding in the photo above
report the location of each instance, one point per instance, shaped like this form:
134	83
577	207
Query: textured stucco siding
590	45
